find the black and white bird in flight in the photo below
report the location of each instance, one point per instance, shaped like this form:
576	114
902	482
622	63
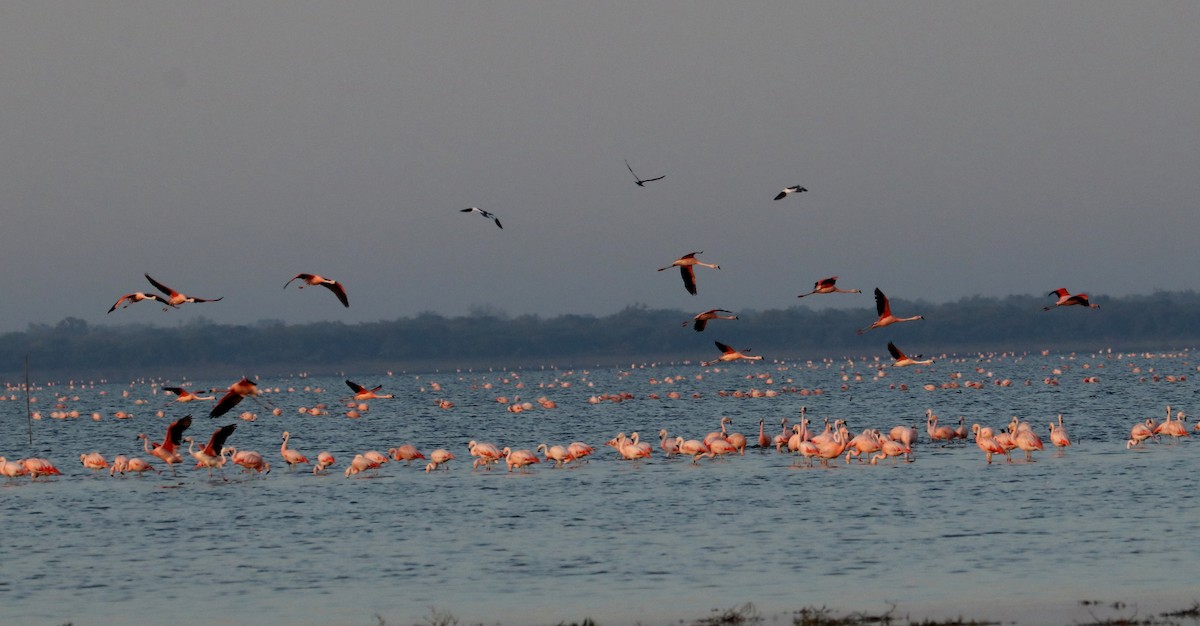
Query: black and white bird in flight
487	214
641	182
787	191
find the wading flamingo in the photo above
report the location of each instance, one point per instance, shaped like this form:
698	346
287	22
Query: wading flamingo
290	456
1058	434
212	455
324	461
437	458
519	459
405	452
167	450
988	444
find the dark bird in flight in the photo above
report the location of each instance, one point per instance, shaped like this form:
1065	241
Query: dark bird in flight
787	191
685	263
641	182
487	214
174	298
1066	299
701	320
337	288
138	296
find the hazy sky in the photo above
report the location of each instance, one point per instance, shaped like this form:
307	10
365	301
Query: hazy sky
950	149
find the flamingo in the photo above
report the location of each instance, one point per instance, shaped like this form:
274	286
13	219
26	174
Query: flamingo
120	462
183	395
701	320
579	450
903	360
12	469
729	354
376	457
212	455
175	298
487	453
1058	434
884	308
558	454
1027	441
362	393
787	191
439	457
487	214
828	285
37	466
937	433
988	444
138	296
737	440
669	446
337	288
360	464
519	459
638	180
1140	432
961	430
405	452
93	461
892	448
241	389
906	435
867	442
692	447
140	466
1177	428
167	449
685	264
763	440
290	456
324	461
1066	299
249	459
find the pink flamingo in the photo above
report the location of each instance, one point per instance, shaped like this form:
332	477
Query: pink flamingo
405	452
579	451
558	454
685	264
884	308
362	393
324	461
212	455
337	288
290	456
701	320
1066	299
93	461
241	389
764	441
692	447
1027	441
519	459
12	469
487	453
138	296
361	464
139	466
937	433
167	450
183	395
175	298
988	444
437	458
249	459
729	354
669	446
1058	434
828	285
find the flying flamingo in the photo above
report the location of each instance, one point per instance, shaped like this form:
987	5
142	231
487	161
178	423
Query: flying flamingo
1066	299
167	449
701	320
488	214
337	288
729	354
241	389
290	456
903	360
439	457
787	191
828	285
212	455
685	264
362	393
138	296
885	314
175	298
638	180
186	396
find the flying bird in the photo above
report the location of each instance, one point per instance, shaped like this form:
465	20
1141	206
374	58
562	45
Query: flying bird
729	354
885	314
174	298
337	288
362	393
487	214
1066	299
828	285
185	395
701	320
685	263
641	182
787	191
138	296
237	391
903	360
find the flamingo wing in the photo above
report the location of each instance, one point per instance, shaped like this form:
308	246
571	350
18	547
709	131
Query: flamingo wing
881	304
161	287
228	401
896	353
1060	292
123	298
217	441
355	387
175	430
689	278
825	283
339	291
303	277
724	348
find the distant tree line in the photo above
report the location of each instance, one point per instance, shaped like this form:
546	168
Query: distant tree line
635	334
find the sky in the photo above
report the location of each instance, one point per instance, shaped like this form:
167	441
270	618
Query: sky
950	149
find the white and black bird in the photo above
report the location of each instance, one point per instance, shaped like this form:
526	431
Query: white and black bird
787	191
487	214
638	180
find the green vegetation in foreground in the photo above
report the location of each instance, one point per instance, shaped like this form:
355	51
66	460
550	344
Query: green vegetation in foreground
635	334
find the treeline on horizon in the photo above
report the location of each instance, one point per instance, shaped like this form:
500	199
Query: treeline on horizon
636	334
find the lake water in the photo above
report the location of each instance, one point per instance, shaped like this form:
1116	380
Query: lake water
652	542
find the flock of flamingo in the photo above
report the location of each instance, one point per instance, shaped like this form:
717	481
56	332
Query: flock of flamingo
834	441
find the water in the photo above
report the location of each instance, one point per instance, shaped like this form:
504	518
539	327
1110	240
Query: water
651	542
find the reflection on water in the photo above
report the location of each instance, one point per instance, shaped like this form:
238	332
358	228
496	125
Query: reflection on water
651	542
